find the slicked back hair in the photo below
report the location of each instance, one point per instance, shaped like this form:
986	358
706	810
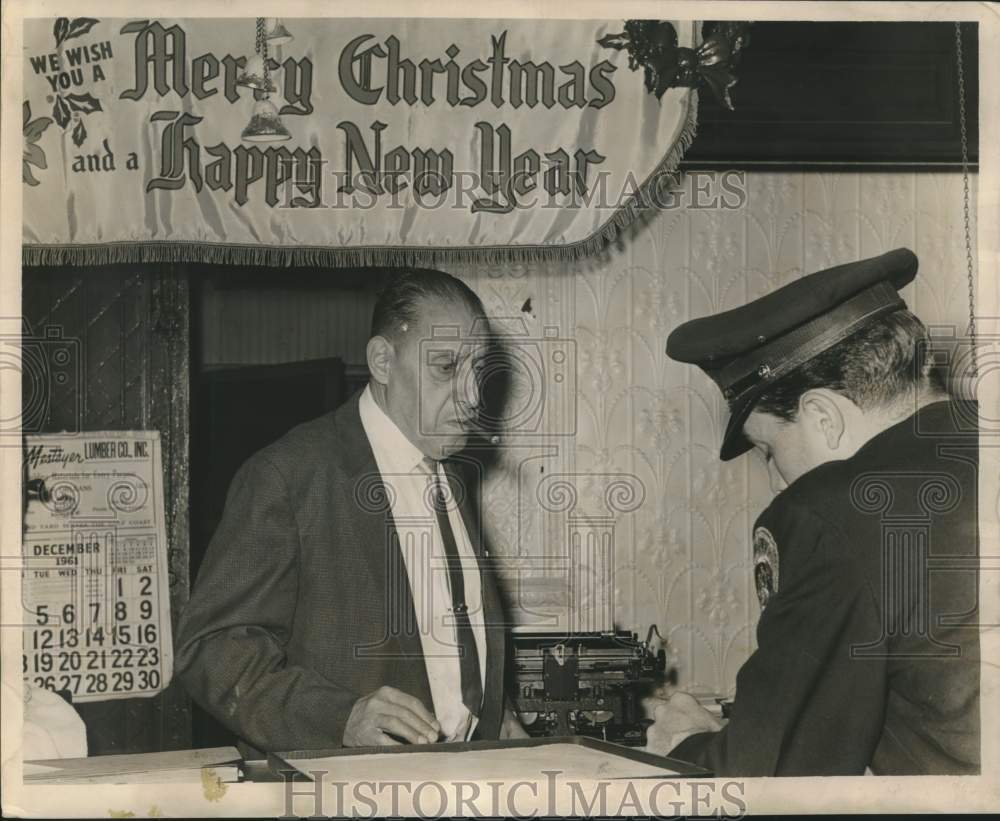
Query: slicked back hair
398	303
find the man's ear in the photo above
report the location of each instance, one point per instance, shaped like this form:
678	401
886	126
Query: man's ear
380	354
820	409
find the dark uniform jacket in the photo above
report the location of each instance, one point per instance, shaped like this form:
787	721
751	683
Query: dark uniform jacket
303	603
868	643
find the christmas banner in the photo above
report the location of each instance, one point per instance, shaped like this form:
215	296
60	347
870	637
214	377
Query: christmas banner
345	141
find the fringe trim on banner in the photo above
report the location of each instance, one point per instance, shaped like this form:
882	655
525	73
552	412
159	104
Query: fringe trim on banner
376	256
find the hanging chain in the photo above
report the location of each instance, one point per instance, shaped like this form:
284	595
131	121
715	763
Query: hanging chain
262	51
965	184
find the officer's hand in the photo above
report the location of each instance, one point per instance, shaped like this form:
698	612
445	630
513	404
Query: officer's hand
674	719
389	712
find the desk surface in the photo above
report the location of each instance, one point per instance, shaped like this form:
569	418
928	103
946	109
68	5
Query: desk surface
509	760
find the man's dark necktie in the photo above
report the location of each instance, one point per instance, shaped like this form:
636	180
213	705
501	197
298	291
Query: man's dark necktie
468	660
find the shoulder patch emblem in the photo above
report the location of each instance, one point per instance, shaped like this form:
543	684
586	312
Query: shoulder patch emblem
765	565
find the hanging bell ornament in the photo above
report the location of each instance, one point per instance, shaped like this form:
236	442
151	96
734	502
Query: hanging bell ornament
254	76
277	34
265	124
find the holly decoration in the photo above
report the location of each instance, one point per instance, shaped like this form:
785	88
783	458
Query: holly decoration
72	107
652	44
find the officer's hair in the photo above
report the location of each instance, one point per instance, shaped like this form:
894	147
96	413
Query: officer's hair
397	305
873	368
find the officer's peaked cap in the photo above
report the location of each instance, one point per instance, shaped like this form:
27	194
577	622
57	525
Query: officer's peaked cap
746	349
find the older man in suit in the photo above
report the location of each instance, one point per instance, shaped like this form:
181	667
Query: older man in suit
346	597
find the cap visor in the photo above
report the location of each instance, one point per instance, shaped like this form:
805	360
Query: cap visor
734	442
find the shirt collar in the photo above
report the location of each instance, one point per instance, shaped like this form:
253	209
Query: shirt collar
394	453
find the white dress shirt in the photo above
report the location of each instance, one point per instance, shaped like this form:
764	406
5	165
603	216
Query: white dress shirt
401	465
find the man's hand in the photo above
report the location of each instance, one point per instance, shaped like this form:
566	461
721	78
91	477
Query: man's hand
511	726
389	712
674	719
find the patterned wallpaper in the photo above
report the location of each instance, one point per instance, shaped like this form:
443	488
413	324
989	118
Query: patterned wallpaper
608	505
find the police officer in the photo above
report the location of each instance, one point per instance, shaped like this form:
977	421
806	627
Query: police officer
865	562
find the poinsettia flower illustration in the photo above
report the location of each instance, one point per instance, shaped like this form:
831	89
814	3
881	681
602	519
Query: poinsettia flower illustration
33	155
